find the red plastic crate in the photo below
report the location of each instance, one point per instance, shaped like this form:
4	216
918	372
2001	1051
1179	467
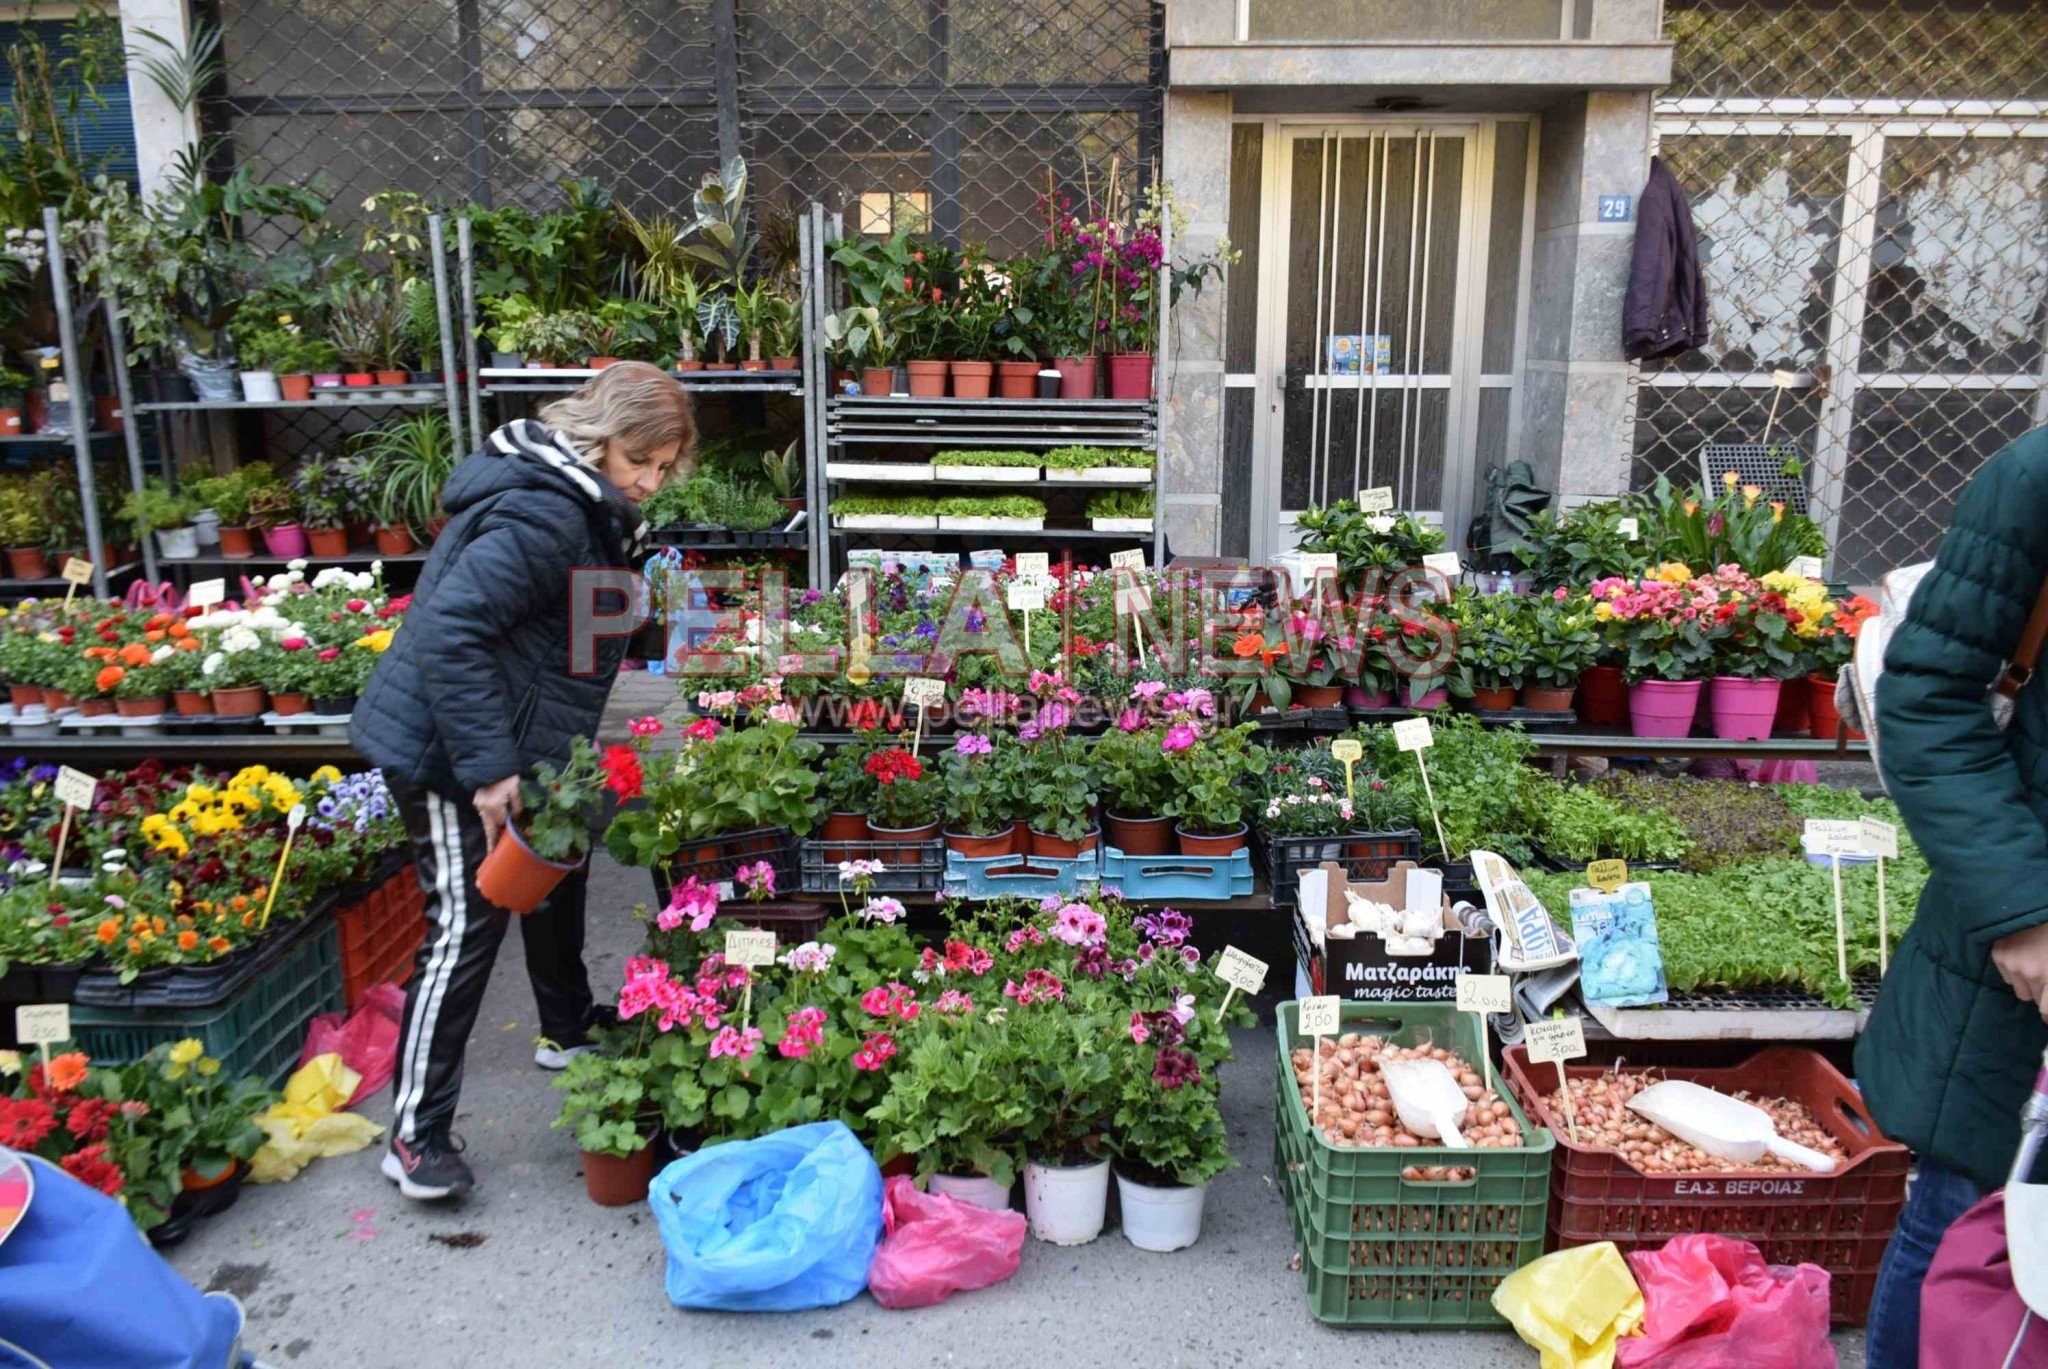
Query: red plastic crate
1839	1221
380	935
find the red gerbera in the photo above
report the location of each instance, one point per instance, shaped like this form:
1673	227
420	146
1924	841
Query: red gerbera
24	1122
91	1166
88	1119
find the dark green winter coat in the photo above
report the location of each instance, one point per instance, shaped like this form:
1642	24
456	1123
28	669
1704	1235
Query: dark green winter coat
1951	1051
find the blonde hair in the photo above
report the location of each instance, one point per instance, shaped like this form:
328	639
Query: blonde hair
638	406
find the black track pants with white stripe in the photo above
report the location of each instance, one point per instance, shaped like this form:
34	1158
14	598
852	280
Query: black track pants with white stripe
454	965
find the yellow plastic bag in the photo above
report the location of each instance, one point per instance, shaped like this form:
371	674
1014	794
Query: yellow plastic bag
1573	1305
311	1122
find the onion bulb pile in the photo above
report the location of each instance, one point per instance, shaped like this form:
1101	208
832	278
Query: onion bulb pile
1600	1107
1357	1110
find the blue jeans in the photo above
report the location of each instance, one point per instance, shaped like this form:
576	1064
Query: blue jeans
1936	1199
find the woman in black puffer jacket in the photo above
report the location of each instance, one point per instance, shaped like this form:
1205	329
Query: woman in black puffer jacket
478	686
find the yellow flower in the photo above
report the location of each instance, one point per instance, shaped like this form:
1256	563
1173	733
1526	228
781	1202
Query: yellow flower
326	774
188	1050
1692	506
1750	494
200	793
1729	478
1673	573
375	641
1777	510
1603	611
10	1063
207	1066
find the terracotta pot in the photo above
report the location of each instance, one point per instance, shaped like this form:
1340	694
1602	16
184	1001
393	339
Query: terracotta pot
1493	700
285	540
1744	709
10	423
142	708
599	363
55	699
689	366
1824	717
886	838
1017	379
971	379
394	539
240	701
327	541
1201	844
393	377
1543	699
753	365
1792	707
285	705
1139	836
236	541
191	703
618	1180
1059	848
1003	843
25	696
192	1181
1318	696
878	380
785	363
95	708
844	827
358	380
295	388
721	365
434	526
28	563
928	378
514	878
1130	375
1077	376
1603	697
1662	708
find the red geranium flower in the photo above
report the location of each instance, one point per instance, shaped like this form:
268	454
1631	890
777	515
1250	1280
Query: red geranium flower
622	772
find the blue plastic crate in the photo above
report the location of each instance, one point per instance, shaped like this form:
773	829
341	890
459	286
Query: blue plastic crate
1020	876
1176	876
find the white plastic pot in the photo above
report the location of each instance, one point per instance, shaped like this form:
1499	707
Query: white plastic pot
260	387
977	1189
206	527
177	544
1160	1219
1066	1202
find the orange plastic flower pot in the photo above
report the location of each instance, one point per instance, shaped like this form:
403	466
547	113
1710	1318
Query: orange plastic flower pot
517	880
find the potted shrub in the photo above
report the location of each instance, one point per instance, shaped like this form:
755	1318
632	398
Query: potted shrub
906	802
154	508
925	325
550	836
23	528
606	1105
1562	645
1136	786
1166	1126
274	508
299	362
227	496
327	493
13	390
257	354
1492	656
847	792
1209	797
1068	1061
957	1104
979	786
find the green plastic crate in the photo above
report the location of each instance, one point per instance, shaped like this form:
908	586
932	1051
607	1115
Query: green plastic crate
259	1031
1380	1250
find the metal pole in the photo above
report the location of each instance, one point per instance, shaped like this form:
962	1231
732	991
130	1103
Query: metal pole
725	66
74	377
817	398
808	229
124	390
439	241
466	259
1315	337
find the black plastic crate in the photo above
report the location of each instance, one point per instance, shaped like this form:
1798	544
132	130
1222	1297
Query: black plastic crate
1364	856
202	986
716	859
908	867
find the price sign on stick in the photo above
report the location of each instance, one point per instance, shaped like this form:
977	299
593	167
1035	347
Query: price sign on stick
1835	838
1239	971
1807	566
1351	752
1378	499
1444	563
1317	1018
1558	1039
206	593
1134	559
75	790
1414	734
38	1024
1034	565
77	571
1881	839
753	949
1481	995
1607	875
293	821
1023	598
922	692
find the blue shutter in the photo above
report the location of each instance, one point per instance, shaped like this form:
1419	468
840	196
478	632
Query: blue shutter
101	131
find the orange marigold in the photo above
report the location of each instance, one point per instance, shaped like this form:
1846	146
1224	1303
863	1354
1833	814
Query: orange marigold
249	918
188	644
153	635
178	631
218	943
108	930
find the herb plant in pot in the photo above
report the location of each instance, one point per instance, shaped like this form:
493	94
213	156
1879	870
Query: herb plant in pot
1136	786
228	497
607	1104
154	508
551	834
979	785
1209	775
906	803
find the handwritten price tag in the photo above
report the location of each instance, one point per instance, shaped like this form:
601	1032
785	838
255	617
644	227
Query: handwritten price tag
1834	837
1024	598
1607	875
1133	559
1378	499
38	1024
1487	993
1240	971
749	947
207	593
923	691
1319	1016
1133	599
1444	563
1629	528
77	570
1808	566
1348	750
1034	565
1880	838
76	788
1414	734
1314	563
1554	1040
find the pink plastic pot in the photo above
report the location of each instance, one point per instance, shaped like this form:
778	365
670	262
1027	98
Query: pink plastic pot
1662	708
1435	698
1077	377
1744	709
1358	696
1130	375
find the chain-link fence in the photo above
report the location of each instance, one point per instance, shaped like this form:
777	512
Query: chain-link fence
940	114
1870	182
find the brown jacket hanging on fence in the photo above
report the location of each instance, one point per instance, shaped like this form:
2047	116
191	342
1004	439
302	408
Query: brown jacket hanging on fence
1665	311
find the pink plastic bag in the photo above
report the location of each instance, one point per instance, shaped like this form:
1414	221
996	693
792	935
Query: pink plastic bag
934	1246
1710	1302
367	1040
1970	1313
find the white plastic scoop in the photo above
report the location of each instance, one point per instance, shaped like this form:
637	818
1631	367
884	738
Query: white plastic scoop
1721	1126
1427	1097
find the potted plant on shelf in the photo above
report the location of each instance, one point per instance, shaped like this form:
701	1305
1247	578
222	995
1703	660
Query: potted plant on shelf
23	528
1120	511
550	836
231	672
328	491
971	322
1056	781
1311	667
725	797
274	508
143	689
154	508
183	677
607	1106
289	670
1304	804
1562	645
1209	773
409	460
1668	654
228	497
751	306
13	390
782	321
1492	654
861	337
337	675
504	317
685	298
785	472
980	789
1833	645
1755	650
367	319
906	803
1136	787
847	792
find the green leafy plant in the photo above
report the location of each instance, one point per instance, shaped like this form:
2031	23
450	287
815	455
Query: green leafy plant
1492	649
979	788
1084	457
560	808
154	506
957	457
1133	772
1571	550
1120	504
367	320
859	335
1562	641
992	506
741	778
606	1102
1705	529
407	460
13	387
1581	823
1486	792
906	505
784	469
1211	779
957	1101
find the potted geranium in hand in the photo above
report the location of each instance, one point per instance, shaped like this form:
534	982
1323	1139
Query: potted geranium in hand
550	836
607	1106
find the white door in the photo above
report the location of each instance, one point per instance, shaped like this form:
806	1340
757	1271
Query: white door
1370	312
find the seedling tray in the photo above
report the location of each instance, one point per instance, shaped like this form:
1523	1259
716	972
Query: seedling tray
910	867
981	877
1839	1221
1178	877
1380	1250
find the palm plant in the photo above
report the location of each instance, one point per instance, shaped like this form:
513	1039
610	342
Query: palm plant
409	459
367	319
664	264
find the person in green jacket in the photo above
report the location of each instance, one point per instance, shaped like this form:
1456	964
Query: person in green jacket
1952	1045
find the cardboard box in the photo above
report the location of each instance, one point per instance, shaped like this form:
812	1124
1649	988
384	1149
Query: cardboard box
1360	969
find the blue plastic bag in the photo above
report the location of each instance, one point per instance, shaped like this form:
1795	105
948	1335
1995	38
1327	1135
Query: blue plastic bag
778	1224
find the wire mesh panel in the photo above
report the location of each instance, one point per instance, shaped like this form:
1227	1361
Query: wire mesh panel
923	114
1870	184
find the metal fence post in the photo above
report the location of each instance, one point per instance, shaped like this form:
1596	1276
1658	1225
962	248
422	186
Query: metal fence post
75	384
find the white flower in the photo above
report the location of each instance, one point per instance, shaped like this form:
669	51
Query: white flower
329	575
212	663
883	909
297	564
238	639
851	870
162	654
1184	1008
376	567
362	581
813	957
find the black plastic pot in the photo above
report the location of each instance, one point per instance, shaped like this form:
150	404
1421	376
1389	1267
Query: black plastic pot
196	1205
335	707
426	377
